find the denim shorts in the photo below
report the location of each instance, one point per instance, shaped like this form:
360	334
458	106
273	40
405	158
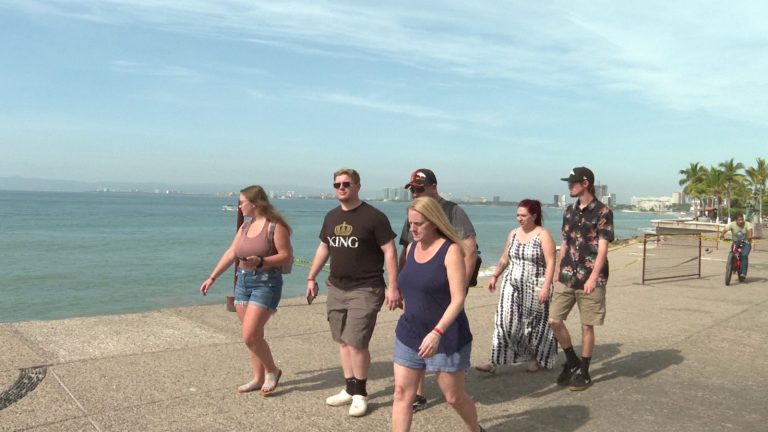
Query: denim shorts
259	288
440	362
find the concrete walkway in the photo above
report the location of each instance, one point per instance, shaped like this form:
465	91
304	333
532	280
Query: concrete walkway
680	355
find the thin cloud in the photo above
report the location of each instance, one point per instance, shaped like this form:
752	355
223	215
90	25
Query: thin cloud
378	105
686	57
411	110
157	71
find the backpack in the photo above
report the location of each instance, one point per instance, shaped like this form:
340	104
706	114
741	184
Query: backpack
448	207
285	268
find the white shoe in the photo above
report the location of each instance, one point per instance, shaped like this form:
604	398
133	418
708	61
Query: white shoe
342	398
359	406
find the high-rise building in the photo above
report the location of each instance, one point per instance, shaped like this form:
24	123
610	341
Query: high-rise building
556	200
601	191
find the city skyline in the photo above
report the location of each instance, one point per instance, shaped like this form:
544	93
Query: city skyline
498	98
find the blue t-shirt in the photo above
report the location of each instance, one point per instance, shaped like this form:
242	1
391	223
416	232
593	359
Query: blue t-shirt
425	291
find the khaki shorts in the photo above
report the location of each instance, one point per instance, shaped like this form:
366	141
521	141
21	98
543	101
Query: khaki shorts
352	314
591	307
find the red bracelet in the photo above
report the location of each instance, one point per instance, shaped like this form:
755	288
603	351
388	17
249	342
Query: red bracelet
310	279
438	331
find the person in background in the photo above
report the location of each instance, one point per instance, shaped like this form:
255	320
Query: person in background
743	231
586	231
259	281
359	240
433	332
423	182
522	333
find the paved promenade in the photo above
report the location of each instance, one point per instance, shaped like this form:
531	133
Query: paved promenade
682	355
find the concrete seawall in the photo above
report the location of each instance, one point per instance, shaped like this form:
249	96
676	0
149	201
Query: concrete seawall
684	355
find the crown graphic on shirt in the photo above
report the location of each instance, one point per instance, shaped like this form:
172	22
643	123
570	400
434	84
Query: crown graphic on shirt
343	230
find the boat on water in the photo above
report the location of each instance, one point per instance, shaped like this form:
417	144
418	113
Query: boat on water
227	207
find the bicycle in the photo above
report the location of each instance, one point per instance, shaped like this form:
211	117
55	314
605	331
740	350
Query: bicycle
733	263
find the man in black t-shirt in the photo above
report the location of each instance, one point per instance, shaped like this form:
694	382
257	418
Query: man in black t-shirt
359	240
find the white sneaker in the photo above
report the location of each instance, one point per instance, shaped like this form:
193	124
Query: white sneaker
342	398
359	406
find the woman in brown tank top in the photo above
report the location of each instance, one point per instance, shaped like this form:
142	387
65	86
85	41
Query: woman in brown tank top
259	281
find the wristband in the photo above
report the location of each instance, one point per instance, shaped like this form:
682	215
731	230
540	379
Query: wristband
310	279
212	278
438	331
261	262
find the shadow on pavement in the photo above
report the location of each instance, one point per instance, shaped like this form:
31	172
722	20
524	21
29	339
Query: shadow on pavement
562	418
512	382
332	378
639	365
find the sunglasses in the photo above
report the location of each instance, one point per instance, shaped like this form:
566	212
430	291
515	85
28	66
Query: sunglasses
417	189
339	185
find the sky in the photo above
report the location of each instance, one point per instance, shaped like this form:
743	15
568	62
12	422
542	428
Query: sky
497	97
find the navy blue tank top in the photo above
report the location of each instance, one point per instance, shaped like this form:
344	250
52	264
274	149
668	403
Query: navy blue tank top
425	291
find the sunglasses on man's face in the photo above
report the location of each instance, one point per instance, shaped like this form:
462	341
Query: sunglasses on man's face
417	189
338	185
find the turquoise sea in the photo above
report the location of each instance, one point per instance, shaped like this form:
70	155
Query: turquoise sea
75	254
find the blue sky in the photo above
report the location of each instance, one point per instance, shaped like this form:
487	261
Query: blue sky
498	98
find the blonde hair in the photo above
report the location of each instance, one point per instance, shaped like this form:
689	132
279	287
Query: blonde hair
258	197
350	172
432	211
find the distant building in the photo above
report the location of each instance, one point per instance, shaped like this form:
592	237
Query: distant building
651	203
402	194
678	198
562	202
556	200
396	194
601	191
496	199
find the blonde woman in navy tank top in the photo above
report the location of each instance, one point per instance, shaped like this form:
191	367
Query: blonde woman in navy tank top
259	281
433	332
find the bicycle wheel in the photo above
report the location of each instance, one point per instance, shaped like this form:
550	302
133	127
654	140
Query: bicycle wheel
728	268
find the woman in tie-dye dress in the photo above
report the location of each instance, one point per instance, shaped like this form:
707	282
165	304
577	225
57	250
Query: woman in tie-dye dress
528	267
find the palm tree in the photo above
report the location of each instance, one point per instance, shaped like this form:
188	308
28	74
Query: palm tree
714	185
731	175
693	177
758	176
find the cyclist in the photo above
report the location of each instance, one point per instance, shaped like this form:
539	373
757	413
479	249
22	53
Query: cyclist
741	231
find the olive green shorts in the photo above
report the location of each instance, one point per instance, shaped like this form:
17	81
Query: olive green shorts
591	307
352	314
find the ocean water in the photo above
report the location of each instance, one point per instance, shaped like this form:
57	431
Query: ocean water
76	254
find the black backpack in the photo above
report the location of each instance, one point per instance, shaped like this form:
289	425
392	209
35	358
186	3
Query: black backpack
448	209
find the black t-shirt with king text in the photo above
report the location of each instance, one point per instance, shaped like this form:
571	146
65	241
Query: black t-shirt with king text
354	238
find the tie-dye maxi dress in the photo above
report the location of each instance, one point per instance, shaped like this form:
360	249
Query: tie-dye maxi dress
522	332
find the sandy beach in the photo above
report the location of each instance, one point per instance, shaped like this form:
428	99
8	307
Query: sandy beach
686	355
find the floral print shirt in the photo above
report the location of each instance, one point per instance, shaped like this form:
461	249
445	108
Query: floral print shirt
582	229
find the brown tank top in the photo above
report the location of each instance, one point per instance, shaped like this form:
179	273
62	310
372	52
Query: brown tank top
252	246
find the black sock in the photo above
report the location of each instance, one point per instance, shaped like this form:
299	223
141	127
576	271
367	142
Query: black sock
360	387
351	384
570	356
585	365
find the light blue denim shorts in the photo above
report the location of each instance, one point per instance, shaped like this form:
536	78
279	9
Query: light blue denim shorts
259	288
440	362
